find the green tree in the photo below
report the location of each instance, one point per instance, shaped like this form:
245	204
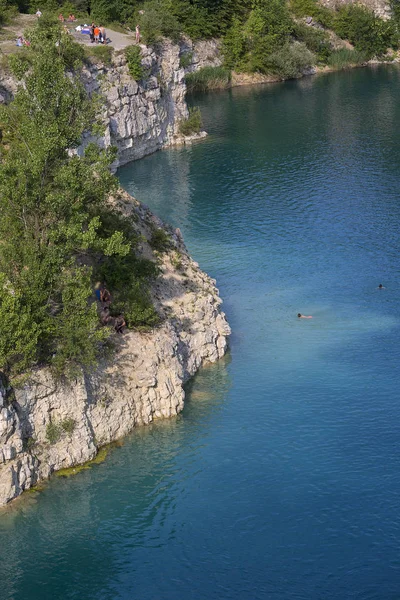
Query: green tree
369	34
51	204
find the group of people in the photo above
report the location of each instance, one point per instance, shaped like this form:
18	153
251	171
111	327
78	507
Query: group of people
21	41
103	297
71	18
97	34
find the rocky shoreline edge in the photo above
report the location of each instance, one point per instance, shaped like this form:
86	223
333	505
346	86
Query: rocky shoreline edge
47	425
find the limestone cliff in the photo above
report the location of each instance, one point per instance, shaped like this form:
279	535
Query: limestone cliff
141	117
48	425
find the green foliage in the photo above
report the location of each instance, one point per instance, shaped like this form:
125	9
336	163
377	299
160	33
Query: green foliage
55	430
291	60
156	20
248	44
176	260
8	10
185	59
53	433
137	307
312	8
99	54
160	240
316	40
369	34
208	78
340	59
128	278
134	61
192	124
235	46
68	425
55	225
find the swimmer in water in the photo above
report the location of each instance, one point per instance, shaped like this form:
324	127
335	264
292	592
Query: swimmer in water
381	287
304	316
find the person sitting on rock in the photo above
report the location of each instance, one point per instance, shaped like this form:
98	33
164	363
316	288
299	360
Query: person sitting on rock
105	296
119	324
61	18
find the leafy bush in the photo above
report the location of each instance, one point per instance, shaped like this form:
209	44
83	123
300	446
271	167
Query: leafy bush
368	33
291	60
340	59
160	240
134	61
192	124
53	432
316	40
137	308
128	280
185	59
208	78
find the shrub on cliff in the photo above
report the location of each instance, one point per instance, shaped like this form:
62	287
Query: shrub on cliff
55	227
192	124
134	62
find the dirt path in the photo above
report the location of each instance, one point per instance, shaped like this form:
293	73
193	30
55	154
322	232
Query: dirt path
9	34
118	41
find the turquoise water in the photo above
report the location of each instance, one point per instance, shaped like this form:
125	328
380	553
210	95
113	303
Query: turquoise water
281	479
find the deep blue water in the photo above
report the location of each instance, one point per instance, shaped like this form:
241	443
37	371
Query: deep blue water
281	479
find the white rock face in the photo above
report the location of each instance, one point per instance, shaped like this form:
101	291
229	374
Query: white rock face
142	117
144	380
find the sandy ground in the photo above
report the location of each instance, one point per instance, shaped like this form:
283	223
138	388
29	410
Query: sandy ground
9	34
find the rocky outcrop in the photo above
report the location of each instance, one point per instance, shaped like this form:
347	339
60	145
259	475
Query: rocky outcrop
47	425
141	117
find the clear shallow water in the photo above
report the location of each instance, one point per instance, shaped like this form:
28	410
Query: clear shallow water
281	479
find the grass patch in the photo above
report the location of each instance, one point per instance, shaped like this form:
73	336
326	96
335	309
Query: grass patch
99	54
340	59
208	78
192	124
